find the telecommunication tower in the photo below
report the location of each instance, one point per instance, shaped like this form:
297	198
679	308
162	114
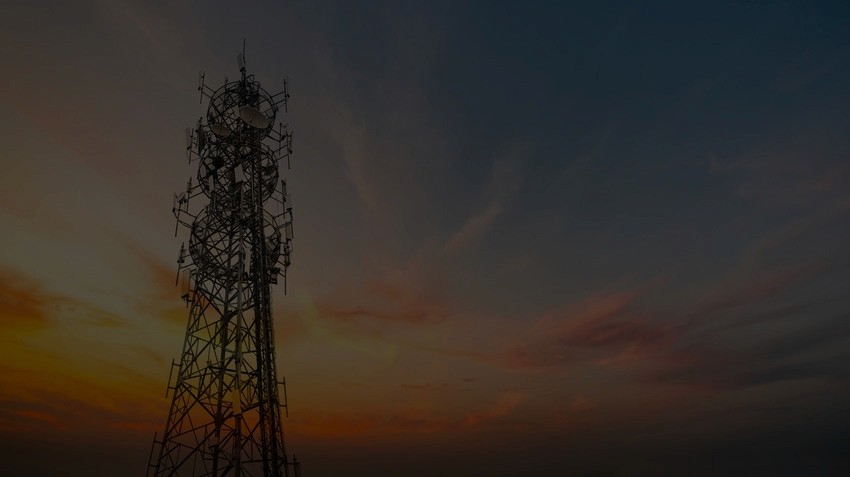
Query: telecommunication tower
225	414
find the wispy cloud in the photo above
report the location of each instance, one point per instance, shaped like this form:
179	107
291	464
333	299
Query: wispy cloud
506	403
703	356
673	345
577	332
504	183
805	169
160	295
352	132
384	300
408	420
23	301
473	228
756	290
28	304
67	409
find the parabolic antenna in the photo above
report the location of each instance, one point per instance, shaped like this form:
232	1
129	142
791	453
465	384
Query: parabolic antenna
253	117
220	130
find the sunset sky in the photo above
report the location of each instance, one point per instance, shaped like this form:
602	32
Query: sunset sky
607	238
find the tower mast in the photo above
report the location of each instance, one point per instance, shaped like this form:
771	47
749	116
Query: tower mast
225	413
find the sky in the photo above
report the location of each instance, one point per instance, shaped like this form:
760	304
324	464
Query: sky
599	239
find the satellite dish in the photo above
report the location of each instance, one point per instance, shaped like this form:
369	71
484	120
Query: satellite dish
253	117
220	130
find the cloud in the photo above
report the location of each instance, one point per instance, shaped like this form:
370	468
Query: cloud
626	331
581	405
25	303
503	185
599	325
473	228
690	344
506	403
404	421
405	307
755	291
162	275
357	424
47	409
806	169
535	357
426	386
400	295
802	337
161	297
353	134
601	322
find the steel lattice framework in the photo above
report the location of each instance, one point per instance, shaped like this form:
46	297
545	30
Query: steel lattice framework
225	414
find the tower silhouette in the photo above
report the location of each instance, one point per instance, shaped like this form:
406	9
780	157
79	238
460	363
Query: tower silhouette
225	413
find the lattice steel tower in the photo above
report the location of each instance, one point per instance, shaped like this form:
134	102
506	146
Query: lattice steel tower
225	415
